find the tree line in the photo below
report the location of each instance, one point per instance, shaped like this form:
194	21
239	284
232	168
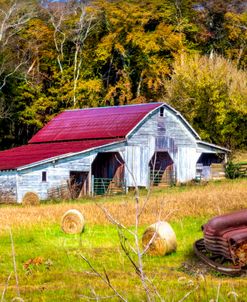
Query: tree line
56	55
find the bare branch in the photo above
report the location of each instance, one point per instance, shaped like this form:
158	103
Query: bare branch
105	278
78	33
13	18
14	263
4	110
59	36
11	73
12	21
6	286
84	28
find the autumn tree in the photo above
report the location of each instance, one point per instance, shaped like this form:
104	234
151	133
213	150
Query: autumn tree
14	62
235	26
211	93
13	17
137	47
73	22
223	27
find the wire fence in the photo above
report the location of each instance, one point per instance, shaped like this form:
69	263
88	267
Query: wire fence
162	178
108	186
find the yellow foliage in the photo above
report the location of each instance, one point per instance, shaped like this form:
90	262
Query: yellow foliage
104	48
211	93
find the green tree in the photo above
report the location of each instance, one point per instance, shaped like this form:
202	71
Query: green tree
211	94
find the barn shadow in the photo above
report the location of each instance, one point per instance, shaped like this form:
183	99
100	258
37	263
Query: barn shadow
108	173
161	169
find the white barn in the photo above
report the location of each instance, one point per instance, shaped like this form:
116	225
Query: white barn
99	150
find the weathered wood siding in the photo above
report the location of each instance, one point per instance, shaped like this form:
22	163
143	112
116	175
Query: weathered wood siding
161	133
58	174
8	189
186	163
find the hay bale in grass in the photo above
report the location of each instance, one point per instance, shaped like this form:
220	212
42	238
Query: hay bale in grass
30	199
18	299
159	239
73	222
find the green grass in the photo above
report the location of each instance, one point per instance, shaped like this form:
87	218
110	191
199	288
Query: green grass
63	275
58	272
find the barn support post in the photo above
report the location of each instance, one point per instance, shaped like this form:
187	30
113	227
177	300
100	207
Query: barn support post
175	179
89	192
148	180
92	186
226	158
17	187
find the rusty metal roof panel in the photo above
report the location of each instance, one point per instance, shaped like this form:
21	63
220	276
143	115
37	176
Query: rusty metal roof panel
25	155
94	123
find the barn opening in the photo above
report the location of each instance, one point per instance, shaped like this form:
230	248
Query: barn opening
161	170
108	173
210	166
79	184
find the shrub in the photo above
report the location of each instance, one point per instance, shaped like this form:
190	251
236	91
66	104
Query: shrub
232	170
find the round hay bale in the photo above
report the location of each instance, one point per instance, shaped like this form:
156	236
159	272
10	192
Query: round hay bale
30	199
72	222
18	299
159	239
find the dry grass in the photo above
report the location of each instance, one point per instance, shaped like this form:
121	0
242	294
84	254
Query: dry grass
240	156
212	199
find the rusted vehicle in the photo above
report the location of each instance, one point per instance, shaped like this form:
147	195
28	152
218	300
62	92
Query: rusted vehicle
224	246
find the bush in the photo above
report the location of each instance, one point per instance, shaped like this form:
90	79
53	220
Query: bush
232	170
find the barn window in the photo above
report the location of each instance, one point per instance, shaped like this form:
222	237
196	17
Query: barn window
162	111
44	176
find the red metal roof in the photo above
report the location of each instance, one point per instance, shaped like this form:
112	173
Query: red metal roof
77	130
104	122
24	155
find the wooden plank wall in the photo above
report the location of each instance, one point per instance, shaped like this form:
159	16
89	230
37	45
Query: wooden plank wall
8	187
167	133
58	174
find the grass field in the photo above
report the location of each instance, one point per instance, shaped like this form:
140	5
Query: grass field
49	263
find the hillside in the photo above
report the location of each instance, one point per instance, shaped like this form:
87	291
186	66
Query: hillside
75	54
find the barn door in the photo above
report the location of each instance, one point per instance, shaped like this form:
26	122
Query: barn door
78	184
161	169
108	173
